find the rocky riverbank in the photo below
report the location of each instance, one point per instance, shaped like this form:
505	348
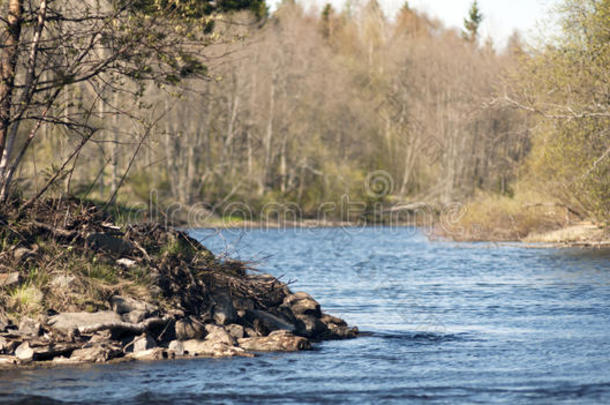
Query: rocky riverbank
76	288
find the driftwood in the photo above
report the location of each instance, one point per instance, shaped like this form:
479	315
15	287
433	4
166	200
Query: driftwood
135	328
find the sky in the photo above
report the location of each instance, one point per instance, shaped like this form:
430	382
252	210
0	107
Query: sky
501	17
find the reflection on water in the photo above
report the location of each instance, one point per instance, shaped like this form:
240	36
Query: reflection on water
443	323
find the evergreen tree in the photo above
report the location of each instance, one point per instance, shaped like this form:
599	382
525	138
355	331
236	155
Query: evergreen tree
472	23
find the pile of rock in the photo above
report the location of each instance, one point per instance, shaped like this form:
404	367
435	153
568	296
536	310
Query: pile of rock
158	293
138	330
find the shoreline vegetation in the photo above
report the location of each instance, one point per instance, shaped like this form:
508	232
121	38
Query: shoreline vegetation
76	288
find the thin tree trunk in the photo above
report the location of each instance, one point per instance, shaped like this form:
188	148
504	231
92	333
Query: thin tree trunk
9	63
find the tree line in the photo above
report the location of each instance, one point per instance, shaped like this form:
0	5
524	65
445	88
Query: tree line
220	102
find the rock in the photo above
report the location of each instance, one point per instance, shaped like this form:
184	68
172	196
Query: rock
189	328
208	348
251	332
24	353
329	319
157	353
134	316
143	342
9	279
224	312
3	344
337	328
218	334
302	303
68	321
311	327
235	330
125	262
22	254
29	327
109	243
62	281
123	305
277	341
272	322
95	354
177	347
8	360
341	332
50	351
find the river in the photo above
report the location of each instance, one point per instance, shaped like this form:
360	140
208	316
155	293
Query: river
442	322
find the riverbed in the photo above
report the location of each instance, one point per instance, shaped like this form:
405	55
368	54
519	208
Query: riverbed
441	322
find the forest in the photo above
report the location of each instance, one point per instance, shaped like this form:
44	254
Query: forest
229	109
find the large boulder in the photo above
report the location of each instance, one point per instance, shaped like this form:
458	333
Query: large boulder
69	321
278	341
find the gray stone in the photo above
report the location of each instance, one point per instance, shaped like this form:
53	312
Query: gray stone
302	303
95	354
24	352
22	254
311	327
142	343
277	341
134	316
9	279
122	305
219	334
188	328
250	332
273	322
62	281
235	330
157	353
208	348
8	360
125	262
68	321
29	327
177	347
224	312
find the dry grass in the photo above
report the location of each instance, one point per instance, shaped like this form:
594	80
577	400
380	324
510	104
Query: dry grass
489	217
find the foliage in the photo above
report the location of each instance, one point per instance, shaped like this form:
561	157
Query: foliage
567	86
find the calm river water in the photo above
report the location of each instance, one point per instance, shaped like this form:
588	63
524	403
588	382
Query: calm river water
444	323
